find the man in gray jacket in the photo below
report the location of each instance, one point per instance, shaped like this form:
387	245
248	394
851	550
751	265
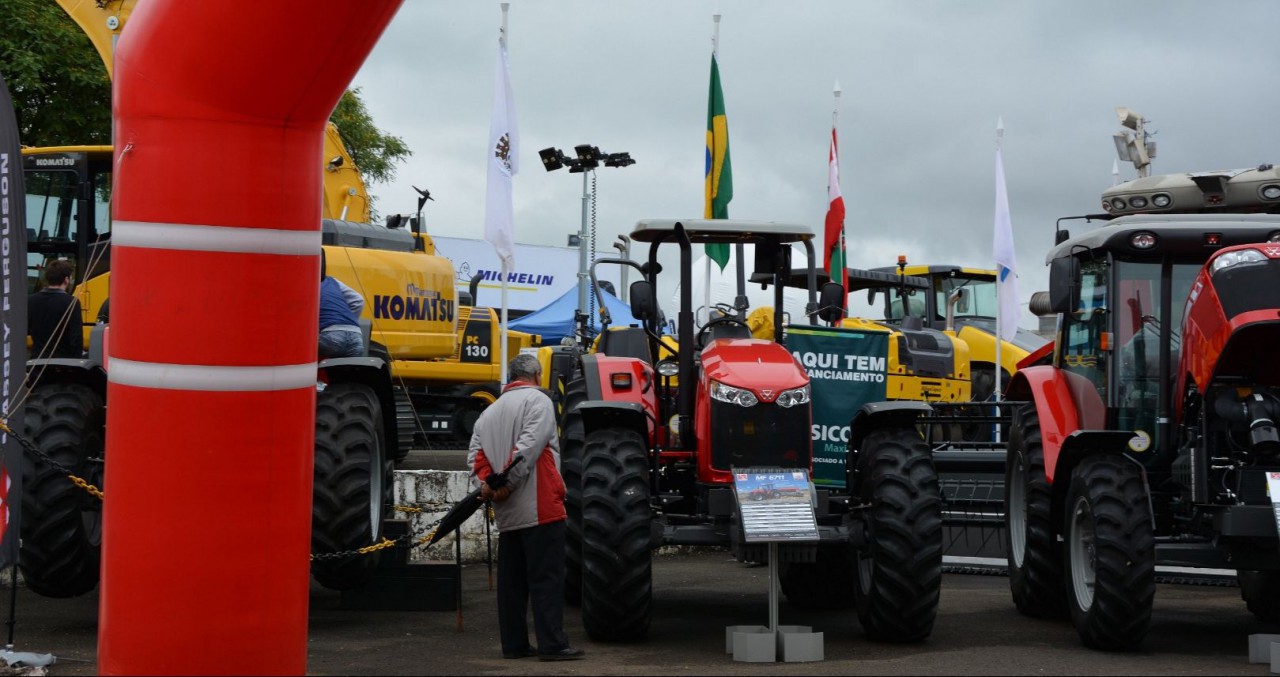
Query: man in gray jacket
529	510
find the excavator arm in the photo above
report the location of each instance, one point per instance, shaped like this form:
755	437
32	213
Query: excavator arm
345	195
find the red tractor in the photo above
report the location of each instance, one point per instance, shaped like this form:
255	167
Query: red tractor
1148	439
649	450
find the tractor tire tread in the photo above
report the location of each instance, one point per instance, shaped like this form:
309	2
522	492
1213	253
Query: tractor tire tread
348	420
1125	582
58	556
1039	585
900	485
617	574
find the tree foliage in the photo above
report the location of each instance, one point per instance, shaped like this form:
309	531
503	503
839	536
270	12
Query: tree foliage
59	85
62	94
374	151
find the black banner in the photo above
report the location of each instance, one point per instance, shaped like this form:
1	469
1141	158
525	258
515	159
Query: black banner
13	322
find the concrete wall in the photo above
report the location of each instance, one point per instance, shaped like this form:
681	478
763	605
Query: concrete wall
436	491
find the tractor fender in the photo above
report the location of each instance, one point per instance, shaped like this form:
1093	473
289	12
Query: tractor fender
883	414
613	414
1064	402
1078	446
86	372
370	371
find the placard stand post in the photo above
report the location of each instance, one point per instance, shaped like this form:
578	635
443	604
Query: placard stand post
761	522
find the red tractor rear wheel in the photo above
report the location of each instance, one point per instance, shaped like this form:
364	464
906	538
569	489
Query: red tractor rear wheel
899	573
1035	555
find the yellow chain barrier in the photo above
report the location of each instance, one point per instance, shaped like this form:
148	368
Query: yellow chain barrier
96	492
86	486
386	543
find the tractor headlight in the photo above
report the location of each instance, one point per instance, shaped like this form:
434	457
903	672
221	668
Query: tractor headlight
1230	259
732	395
790	398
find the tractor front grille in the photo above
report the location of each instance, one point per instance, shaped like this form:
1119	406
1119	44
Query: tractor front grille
763	435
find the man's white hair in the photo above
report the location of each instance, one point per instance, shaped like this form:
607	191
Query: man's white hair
524	366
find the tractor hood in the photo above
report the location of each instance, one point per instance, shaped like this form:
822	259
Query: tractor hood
755	364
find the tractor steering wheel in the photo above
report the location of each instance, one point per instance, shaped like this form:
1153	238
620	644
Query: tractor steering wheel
704	333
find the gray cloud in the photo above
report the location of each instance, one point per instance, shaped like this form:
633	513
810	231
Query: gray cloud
923	81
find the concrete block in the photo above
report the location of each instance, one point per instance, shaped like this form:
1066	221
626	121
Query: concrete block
799	644
729	630
755	647
1275	658
436	491
1260	647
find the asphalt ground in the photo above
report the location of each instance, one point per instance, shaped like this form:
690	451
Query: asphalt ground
1195	630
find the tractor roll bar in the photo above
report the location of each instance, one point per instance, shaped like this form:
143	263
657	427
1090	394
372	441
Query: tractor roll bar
606	318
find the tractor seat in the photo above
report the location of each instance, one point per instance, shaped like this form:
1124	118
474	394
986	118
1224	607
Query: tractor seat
626	342
728	331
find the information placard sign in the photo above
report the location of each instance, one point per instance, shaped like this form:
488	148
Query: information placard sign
775	505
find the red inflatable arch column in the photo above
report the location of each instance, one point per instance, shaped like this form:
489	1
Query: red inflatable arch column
219	114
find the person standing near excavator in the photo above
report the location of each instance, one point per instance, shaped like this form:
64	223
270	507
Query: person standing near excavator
53	315
529	510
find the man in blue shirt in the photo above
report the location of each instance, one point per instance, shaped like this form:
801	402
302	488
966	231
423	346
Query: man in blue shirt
340	308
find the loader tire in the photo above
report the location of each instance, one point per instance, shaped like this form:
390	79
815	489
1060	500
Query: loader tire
406	426
1261	593
465	416
62	523
1031	538
828	583
572	444
352	484
617	574
1109	553
899	573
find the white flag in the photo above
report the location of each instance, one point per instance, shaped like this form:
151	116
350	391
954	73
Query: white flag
1007	315
503	154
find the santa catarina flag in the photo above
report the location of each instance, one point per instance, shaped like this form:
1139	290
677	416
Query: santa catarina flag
833	258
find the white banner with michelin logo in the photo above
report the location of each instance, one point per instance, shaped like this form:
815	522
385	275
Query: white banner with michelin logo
542	274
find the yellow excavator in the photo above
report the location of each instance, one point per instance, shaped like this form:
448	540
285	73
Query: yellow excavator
415	380
445	380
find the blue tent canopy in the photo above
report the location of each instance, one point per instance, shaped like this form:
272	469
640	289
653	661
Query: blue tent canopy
555	320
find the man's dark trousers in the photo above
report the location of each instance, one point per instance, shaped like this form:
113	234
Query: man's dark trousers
531	569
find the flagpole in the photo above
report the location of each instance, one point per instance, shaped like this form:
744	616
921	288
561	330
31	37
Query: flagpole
506	269
998	369
715	54
844	253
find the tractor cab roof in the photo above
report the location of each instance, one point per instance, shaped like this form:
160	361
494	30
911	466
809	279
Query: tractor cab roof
1151	236
948	270
882	278
721	231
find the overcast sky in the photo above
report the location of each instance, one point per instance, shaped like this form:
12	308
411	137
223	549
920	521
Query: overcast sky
924	83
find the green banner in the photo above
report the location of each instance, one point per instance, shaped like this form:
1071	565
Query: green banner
846	370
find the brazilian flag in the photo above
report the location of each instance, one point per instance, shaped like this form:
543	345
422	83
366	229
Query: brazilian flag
719	177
